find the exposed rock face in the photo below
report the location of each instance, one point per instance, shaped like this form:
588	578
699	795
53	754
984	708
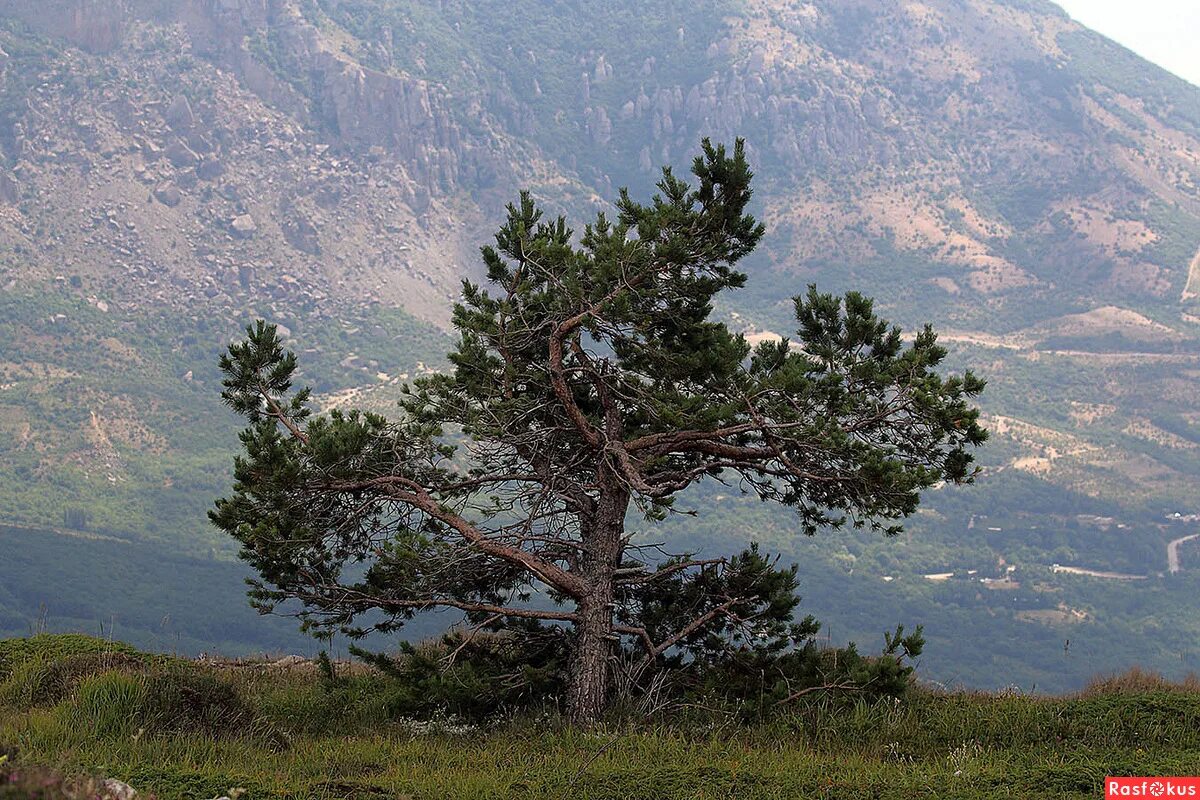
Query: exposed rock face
360	106
10	190
95	25
877	118
363	107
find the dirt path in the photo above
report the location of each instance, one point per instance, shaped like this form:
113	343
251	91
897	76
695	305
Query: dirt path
1094	573
1173	552
1192	288
100	537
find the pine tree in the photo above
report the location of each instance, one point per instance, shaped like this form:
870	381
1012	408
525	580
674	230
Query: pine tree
590	383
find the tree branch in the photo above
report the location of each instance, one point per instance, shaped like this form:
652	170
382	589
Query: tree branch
416	496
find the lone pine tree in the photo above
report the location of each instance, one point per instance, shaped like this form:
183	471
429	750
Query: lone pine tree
589	382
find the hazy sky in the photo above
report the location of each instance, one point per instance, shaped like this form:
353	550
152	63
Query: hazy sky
1166	32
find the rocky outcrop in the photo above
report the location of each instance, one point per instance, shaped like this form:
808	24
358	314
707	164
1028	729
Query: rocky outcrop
10	190
357	106
94	25
363	108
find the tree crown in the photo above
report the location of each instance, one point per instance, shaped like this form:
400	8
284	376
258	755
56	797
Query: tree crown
590	375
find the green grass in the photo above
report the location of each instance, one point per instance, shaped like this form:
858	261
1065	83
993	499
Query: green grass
281	734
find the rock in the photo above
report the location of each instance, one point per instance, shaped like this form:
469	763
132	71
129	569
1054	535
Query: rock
244	226
301	234
200	144
210	169
168	194
10	190
117	790
187	179
246	275
182	156
95	25
179	115
289	661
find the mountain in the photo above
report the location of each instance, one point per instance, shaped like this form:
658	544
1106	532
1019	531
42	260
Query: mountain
171	170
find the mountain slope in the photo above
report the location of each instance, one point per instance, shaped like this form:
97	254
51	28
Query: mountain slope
169	171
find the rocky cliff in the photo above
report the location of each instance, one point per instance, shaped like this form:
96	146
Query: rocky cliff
983	139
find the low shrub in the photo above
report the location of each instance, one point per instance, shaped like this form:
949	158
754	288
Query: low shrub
761	680
1137	680
51	648
37	681
475	677
183	702
194	703
107	705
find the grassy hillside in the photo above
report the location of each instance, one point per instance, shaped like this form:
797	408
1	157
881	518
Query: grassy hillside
111	420
143	594
178	730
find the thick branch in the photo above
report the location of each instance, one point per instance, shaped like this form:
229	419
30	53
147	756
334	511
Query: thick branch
412	493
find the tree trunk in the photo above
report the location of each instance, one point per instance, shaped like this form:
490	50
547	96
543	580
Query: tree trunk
587	693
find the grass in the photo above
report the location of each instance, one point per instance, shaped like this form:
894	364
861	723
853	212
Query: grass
179	730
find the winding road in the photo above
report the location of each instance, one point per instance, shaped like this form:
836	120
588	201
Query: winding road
1173	552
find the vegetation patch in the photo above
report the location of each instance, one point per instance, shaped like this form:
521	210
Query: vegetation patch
173	733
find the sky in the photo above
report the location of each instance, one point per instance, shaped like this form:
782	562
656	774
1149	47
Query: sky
1166	32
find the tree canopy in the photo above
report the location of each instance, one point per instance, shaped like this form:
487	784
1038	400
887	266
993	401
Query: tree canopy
590	383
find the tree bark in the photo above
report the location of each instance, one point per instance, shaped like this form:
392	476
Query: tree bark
587	690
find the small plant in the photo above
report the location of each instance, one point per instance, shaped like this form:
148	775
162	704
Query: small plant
962	756
894	753
109	705
327	671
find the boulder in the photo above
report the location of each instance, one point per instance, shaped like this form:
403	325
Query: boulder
182	156
168	194
117	790
179	114
301	234
244	226
210	169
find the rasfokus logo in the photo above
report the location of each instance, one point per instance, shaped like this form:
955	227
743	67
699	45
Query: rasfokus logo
1152	787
